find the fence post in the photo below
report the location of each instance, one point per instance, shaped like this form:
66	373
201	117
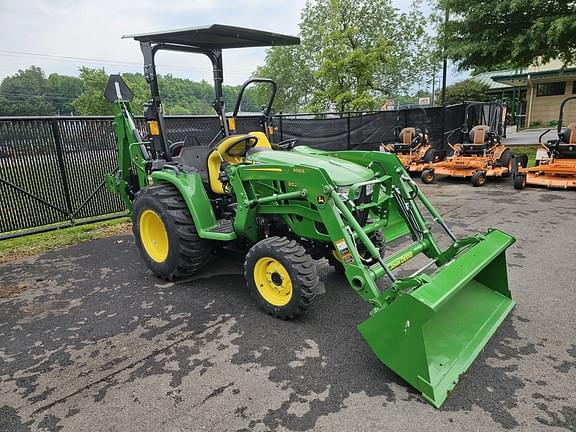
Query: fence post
349	146
281	128
61	167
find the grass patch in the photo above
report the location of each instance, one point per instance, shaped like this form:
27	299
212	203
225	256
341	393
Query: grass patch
529	150
34	244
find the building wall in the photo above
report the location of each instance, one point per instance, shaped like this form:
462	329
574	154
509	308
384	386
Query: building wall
546	108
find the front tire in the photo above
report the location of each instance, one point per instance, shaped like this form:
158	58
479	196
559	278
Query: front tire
428	176
165	233
281	277
519	181
478	179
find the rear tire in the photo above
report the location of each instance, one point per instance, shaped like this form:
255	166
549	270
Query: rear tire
430	156
478	179
281	277
519	181
428	176
505	160
523	160
165	233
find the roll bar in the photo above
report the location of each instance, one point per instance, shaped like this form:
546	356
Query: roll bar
268	109
561	115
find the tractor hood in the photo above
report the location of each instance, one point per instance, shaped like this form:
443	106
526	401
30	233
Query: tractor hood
342	172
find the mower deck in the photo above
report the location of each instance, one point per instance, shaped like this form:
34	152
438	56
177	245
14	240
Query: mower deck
556	160
414	162
466	166
557	174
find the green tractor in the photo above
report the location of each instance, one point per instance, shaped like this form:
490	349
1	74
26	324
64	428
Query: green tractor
284	207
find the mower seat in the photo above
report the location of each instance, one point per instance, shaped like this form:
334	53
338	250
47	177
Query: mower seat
221	152
479	139
567	143
408	138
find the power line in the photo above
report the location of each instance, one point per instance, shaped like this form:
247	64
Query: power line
71	59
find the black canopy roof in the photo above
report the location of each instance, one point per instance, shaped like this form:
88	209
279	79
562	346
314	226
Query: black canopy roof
217	36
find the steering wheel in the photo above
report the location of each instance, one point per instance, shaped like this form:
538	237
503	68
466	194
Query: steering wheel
241	147
287	144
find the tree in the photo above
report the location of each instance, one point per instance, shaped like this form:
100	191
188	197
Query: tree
467	90
91	101
289	68
25	93
62	91
179	95
29	92
354	54
485	34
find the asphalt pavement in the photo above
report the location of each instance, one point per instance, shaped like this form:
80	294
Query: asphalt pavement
91	341
528	136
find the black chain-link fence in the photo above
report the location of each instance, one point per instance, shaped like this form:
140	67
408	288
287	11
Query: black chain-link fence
52	169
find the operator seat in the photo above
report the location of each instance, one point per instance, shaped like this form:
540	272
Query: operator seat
220	153
567	144
479	139
408	138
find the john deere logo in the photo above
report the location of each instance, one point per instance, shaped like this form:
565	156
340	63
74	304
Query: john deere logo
320	199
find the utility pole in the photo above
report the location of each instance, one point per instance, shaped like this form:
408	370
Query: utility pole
433	83
445	61
444	73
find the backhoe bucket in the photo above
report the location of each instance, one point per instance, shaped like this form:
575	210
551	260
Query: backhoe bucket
431	335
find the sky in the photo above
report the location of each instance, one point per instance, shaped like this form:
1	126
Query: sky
61	35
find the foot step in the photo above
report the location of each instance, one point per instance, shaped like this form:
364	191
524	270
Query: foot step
224	226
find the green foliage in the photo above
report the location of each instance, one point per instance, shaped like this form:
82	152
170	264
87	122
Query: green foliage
92	101
288	67
35	244
529	150
354	54
467	90
535	124
489	34
179	95
29	92
63	90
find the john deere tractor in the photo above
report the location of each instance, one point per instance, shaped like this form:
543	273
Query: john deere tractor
285	207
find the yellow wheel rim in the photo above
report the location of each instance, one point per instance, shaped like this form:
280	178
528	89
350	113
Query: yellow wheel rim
154	235
273	281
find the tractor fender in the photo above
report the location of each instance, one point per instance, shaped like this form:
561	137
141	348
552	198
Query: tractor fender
192	189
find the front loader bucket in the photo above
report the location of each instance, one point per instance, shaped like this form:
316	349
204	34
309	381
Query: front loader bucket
431	335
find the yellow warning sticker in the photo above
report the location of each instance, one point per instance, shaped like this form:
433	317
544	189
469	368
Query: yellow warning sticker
344	252
401	260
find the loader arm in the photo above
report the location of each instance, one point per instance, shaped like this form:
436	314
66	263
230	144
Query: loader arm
416	318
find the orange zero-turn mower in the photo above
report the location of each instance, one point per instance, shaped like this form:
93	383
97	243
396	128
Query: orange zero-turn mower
412	146
555	160
481	153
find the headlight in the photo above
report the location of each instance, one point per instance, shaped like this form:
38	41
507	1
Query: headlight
345	191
